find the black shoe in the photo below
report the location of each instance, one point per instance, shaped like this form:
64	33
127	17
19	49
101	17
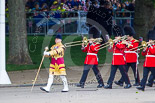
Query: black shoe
136	84
149	84
100	86
118	83
80	85
140	88
108	86
128	86
44	90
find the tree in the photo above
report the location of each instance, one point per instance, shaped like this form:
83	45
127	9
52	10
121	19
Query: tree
144	17
18	46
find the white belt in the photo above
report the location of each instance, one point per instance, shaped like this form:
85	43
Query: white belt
129	51
150	55
91	54
117	54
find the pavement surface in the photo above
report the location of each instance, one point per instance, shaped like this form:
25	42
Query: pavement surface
89	94
20	89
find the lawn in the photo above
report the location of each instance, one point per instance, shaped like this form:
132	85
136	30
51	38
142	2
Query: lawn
73	55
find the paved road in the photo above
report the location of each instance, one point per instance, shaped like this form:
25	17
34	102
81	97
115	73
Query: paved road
77	95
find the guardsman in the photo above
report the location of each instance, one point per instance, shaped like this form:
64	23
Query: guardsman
131	55
118	60
57	66
149	65
91	61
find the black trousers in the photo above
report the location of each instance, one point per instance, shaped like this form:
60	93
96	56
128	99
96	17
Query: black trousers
151	79
146	71
122	71
136	75
96	72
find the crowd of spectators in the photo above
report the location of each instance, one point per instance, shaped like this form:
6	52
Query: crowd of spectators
73	5
56	8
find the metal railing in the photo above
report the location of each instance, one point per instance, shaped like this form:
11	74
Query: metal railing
47	23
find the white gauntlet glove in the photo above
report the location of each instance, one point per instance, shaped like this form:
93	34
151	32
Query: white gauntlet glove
46	53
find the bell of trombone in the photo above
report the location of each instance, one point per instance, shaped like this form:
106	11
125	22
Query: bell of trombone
85	41
144	43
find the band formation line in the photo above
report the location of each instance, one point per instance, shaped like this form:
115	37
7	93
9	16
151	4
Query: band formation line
125	50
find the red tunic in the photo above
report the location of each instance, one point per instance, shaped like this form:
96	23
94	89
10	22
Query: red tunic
149	53
118	54
131	55
92	50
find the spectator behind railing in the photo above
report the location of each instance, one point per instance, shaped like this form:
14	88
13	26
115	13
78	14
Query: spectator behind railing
44	7
36	7
62	10
55	6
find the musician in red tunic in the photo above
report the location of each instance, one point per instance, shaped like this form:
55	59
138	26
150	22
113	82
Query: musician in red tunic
149	64
118	60
91	61
131	55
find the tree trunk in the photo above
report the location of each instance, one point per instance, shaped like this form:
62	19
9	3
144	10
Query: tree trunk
18	47
144	17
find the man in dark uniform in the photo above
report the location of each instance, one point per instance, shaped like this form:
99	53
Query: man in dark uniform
131	55
104	17
92	19
118	60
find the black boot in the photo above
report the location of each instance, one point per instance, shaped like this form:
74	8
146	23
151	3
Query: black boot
100	86
128	86
118	83
108	86
80	85
140	88
149	84
136	84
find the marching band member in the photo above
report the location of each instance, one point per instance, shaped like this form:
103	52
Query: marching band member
131	55
149	65
91	61
118	60
57	66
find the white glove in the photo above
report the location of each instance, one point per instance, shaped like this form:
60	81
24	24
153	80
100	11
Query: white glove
46	49
46	53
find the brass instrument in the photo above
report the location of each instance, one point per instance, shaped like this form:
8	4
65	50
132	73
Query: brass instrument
85	41
143	44
111	42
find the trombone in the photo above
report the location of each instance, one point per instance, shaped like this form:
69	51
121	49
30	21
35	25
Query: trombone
110	42
143	44
85	41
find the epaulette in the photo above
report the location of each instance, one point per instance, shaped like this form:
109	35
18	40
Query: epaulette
136	41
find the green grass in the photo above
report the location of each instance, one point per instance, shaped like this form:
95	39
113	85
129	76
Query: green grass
73	56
